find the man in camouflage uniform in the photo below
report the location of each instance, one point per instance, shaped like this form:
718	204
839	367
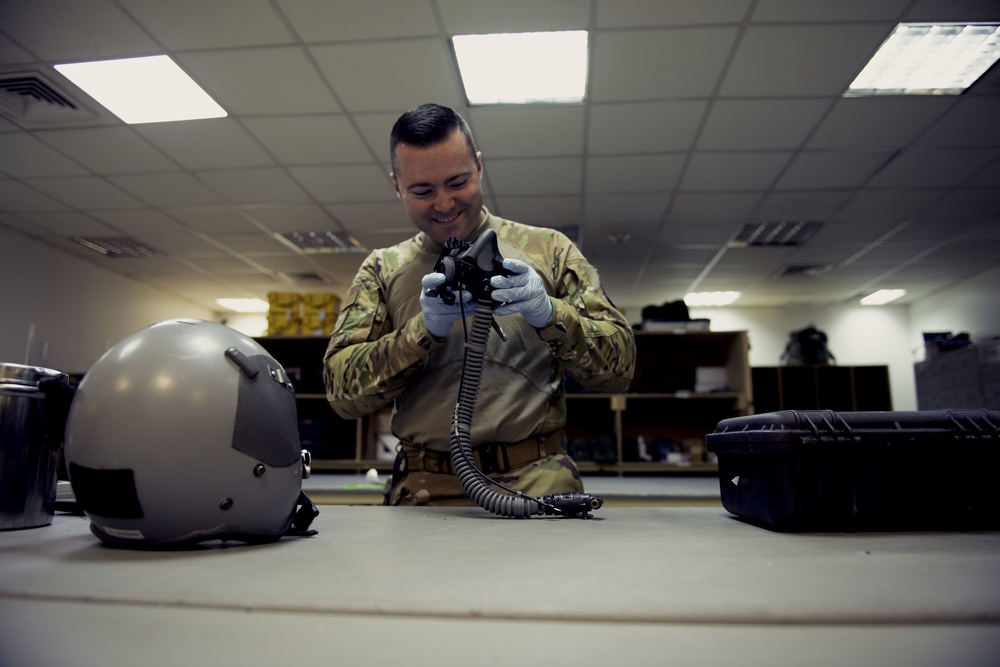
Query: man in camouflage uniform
394	343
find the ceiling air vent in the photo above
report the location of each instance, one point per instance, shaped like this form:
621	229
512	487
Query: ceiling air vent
116	247
783	233
306	277
321	242
32	100
805	271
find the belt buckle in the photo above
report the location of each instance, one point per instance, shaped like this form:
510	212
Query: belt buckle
490	455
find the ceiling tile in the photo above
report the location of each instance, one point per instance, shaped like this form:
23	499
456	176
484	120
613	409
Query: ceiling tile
540	176
348	21
527	131
109	150
972	121
23	156
812	60
10	52
277	80
541	211
974	204
842	232
461	17
408	73
255	186
68	224
178	243
880	121
194	24
652	58
280	219
168	189
642	13
345	183
641	173
15	196
710	234
733	171
887	205
81	30
301	140
85	192
817	169
140	222
931	231
932	168
804	205
641	127
722	206
626	209
812	11
381	216
760	124
206	144
215	220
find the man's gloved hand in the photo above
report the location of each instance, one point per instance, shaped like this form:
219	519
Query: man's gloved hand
438	315
522	292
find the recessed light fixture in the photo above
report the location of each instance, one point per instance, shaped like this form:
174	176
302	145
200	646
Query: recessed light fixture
929	59
152	89
523	67
244	305
882	296
695	299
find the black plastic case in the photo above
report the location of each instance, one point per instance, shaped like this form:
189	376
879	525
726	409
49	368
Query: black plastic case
821	470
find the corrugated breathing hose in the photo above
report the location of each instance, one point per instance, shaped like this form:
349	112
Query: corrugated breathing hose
513	504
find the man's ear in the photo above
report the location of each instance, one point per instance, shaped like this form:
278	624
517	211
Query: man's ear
395	184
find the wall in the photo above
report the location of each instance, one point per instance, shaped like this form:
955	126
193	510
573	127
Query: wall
857	335
77	308
972	306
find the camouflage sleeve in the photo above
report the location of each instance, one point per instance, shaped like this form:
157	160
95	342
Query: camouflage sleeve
368	360
588	335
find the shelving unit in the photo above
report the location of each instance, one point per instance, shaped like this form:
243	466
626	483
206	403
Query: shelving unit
662	406
665	404
842	388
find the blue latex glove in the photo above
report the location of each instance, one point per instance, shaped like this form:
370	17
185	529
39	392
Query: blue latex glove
522	292
438	315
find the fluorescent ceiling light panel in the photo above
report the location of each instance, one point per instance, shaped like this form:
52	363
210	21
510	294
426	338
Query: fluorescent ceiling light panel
244	305
695	299
929	59
143	90
524	67
882	297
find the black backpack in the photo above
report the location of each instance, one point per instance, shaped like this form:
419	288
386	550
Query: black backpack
807	347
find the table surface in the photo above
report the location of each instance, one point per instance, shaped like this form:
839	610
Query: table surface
457	585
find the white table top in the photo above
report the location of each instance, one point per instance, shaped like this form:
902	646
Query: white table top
633	586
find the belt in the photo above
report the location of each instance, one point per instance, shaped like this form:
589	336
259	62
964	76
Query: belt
489	457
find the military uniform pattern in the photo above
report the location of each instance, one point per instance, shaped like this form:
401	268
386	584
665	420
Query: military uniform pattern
380	353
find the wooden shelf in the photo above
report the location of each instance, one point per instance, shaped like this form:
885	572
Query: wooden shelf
661	406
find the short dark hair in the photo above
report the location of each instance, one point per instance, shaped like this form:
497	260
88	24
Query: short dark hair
427	125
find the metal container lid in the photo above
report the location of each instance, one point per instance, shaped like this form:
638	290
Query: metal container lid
19	378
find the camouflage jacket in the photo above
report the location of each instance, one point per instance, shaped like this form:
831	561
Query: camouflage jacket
381	353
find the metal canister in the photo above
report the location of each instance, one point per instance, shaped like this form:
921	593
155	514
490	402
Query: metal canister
33	406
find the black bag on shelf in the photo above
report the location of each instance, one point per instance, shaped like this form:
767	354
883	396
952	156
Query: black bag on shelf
807	347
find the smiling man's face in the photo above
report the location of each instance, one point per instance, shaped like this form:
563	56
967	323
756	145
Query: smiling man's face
440	187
